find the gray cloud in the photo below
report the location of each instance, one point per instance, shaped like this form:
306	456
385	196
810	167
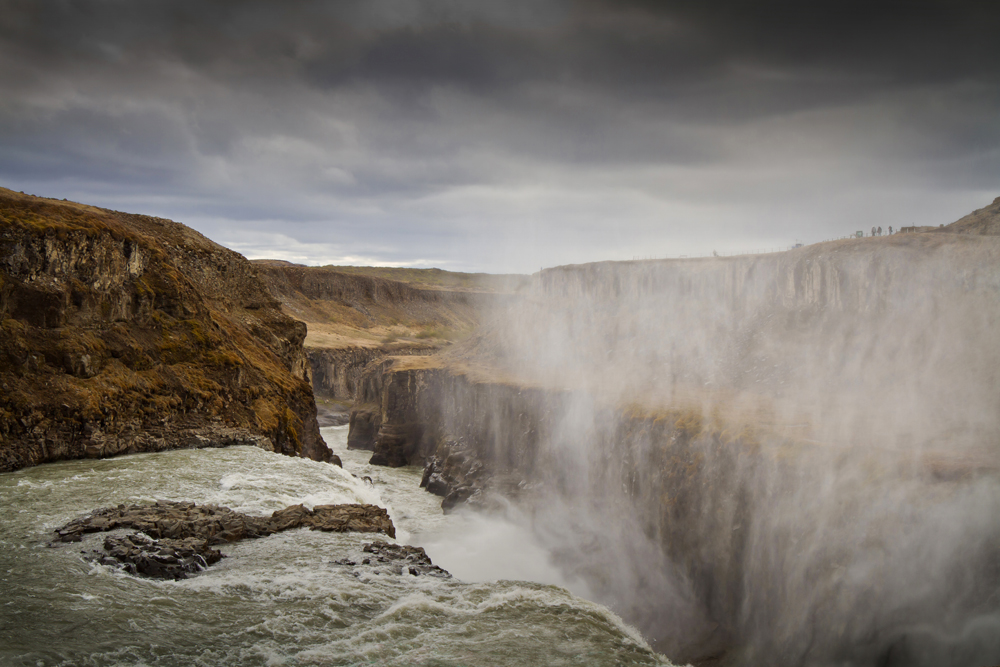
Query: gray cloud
505	136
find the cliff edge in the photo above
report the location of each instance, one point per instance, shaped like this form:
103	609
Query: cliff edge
122	333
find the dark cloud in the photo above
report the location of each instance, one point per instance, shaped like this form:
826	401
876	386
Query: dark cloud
453	131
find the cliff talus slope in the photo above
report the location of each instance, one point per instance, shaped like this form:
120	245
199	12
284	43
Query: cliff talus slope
125	333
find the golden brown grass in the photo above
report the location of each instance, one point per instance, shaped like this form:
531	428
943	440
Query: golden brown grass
440	279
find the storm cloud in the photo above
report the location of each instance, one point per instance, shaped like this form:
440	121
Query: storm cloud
505	136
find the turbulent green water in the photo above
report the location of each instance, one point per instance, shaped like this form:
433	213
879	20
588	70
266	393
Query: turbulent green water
284	600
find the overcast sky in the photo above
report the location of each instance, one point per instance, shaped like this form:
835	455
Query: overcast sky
505	135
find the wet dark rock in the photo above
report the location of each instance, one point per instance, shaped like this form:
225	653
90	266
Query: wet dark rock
365	422
395	443
437	485
457	496
160	559
176	537
433	480
335	518
456	474
401	559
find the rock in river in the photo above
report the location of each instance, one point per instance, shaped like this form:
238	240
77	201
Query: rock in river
175	538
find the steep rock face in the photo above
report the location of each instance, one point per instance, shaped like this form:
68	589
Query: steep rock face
892	337
366	413
124	333
708	534
338	373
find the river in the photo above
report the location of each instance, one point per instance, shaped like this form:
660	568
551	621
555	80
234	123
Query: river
284	599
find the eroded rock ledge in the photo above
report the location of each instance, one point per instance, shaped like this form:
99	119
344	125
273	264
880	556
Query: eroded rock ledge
176	538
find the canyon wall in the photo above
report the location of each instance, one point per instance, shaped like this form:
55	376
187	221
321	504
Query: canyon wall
357	320
780	459
125	333
338	373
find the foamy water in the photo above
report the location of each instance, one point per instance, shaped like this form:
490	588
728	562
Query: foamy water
284	599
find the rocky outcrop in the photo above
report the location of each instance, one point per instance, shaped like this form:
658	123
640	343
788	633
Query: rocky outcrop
122	333
985	220
218	525
458	476
175	538
397	559
158	559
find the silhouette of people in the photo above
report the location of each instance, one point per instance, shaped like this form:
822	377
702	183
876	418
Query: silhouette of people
890	230
873	231
880	230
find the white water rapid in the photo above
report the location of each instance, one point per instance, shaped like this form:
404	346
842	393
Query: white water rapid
284	599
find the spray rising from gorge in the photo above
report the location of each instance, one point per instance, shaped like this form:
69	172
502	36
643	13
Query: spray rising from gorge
783	459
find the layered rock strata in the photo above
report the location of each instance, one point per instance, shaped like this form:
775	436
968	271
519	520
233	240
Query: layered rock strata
122	333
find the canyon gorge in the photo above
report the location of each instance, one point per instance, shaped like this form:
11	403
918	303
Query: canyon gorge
790	458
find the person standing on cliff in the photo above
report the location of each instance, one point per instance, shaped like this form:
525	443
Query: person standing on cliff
873	231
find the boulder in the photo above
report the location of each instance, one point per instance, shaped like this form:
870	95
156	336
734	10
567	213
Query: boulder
397	559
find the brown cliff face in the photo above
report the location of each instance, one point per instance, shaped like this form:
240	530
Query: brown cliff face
126	333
